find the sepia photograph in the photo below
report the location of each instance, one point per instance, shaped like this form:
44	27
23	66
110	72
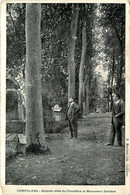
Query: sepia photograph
65	97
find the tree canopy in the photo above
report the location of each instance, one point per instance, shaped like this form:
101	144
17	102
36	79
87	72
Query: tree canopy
105	48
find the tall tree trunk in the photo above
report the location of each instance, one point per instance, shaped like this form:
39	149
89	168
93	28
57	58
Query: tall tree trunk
122	62
89	52
112	77
87	92
81	70
84	100
34	111
109	106
121	39
71	51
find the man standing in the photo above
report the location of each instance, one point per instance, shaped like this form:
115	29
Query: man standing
72	112
117	118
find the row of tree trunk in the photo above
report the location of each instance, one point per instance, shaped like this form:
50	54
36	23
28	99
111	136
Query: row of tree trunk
34	110
83	92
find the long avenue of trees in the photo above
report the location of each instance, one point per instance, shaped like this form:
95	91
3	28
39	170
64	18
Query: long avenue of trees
55	49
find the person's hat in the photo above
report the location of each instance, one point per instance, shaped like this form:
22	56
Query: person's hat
71	100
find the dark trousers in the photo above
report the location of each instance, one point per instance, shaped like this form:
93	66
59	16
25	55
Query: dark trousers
73	127
116	130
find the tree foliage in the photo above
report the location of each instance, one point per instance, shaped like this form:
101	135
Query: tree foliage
54	37
105	47
16	37
113	22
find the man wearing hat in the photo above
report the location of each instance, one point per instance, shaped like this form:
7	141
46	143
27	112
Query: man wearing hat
117	120
72	112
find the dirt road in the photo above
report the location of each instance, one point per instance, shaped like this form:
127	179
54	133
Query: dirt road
85	161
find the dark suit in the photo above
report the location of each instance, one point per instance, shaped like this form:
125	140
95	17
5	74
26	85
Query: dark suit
72	117
117	122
